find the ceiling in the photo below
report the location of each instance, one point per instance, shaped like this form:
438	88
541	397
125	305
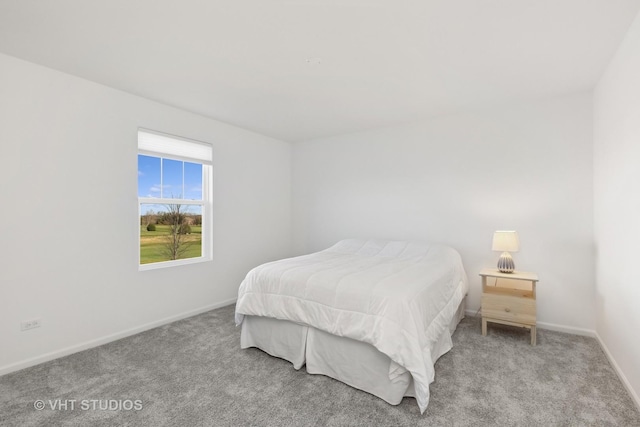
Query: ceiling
303	69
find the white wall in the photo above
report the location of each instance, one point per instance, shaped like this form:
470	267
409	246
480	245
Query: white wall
617	207
68	251
456	179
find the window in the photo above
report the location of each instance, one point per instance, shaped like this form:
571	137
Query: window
174	200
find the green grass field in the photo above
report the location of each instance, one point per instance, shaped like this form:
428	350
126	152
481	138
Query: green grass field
152	244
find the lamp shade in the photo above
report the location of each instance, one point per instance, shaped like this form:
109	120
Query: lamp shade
505	241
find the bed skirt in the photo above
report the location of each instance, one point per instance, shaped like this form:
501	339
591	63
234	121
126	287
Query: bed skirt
352	362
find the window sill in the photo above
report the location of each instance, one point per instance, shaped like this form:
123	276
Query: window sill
164	264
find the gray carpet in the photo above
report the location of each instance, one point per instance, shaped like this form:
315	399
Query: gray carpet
193	373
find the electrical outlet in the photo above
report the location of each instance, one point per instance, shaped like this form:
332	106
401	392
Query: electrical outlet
30	324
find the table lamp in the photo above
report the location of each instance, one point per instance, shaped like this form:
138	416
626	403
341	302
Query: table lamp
505	242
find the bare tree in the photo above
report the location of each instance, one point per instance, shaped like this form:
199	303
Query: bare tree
177	242
147	217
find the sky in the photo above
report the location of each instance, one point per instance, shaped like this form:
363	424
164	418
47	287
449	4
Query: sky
172	179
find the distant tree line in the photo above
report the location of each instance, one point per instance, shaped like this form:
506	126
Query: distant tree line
170	218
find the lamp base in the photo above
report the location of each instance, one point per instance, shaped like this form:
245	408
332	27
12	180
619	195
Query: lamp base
505	263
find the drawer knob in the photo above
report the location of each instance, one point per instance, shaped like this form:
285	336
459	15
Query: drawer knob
508	310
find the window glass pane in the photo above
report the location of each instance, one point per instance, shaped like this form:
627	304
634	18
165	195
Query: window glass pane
192	181
148	176
170	232
172	179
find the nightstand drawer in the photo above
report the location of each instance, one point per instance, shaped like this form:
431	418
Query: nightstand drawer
515	309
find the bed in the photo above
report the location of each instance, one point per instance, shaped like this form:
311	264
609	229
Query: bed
374	314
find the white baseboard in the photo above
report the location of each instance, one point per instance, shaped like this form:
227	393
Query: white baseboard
621	375
549	326
472	313
567	329
106	339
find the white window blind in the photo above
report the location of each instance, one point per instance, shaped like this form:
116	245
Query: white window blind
175	147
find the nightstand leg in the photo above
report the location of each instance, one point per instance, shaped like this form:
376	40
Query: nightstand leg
533	335
484	327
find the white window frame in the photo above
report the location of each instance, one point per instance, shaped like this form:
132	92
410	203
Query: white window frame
157	144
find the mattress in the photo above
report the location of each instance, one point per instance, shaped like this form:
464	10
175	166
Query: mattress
396	296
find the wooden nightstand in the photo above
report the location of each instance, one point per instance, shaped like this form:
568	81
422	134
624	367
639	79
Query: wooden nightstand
509	303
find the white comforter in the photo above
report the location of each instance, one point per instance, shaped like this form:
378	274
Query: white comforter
397	296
